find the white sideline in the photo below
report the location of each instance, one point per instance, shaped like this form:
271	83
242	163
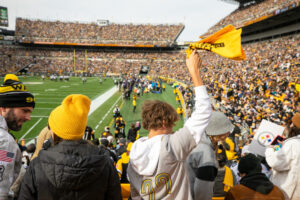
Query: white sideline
36	123
96	103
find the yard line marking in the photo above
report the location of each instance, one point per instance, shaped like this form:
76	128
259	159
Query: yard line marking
109	111
33	83
37	116
50	90
96	103
31	128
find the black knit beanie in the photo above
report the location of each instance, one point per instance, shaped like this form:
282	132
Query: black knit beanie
249	163
14	93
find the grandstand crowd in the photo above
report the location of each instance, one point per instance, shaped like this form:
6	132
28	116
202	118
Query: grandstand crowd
262	87
127	34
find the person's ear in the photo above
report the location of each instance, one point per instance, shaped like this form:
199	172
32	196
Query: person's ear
3	110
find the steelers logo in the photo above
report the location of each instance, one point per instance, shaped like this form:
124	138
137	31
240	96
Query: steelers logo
265	138
29	99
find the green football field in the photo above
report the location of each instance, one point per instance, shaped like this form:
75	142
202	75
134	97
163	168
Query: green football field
49	94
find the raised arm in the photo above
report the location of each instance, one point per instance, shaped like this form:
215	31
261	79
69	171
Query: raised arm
199	120
183	141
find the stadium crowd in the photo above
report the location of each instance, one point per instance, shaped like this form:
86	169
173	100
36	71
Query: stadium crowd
220	165
263	86
126	34
241	16
211	177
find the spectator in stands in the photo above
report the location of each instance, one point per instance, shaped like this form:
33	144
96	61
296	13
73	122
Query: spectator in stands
285	161
225	179
254	184
89	133
27	154
121	148
16	105
202	163
122	164
72	168
105	146
166	149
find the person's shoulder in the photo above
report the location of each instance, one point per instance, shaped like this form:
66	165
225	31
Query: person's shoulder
239	189
6	137
277	192
295	139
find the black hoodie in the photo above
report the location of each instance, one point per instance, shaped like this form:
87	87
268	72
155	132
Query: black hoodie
71	170
257	181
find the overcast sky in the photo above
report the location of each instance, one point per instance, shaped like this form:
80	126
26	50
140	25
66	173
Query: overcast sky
196	15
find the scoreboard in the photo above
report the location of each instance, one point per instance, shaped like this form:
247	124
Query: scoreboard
3	16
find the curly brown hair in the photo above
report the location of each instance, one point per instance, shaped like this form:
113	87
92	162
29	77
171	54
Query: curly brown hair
156	114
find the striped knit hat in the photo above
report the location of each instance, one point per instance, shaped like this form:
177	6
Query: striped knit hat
14	93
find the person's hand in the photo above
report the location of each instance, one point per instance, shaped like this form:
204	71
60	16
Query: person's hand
280	142
193	63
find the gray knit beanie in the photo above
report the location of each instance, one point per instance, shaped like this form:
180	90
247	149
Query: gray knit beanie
219	124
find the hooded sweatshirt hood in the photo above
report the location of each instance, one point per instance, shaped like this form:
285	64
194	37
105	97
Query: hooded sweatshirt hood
257	182
144	154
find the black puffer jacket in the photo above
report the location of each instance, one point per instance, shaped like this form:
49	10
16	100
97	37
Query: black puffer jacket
71	170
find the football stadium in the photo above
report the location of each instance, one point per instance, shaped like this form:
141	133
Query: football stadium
250	67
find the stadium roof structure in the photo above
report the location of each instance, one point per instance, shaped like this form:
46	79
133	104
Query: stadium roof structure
243	3
282	23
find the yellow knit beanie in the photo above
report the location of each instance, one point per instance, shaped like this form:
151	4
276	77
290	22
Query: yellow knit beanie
68	121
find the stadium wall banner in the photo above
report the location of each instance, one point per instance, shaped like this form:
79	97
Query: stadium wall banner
257	20
282	10
8	37
3	16
88	44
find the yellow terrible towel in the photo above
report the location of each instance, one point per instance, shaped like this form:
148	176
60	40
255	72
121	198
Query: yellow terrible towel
228	179
226	42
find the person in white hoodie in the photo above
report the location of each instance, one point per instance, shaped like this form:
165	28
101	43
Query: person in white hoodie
285	162
157	168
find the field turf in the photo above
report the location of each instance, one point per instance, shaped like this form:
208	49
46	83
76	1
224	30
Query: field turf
49	94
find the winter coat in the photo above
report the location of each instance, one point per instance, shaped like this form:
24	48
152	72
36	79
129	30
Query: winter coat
202	169
71	170
285	164
255	186
10	159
